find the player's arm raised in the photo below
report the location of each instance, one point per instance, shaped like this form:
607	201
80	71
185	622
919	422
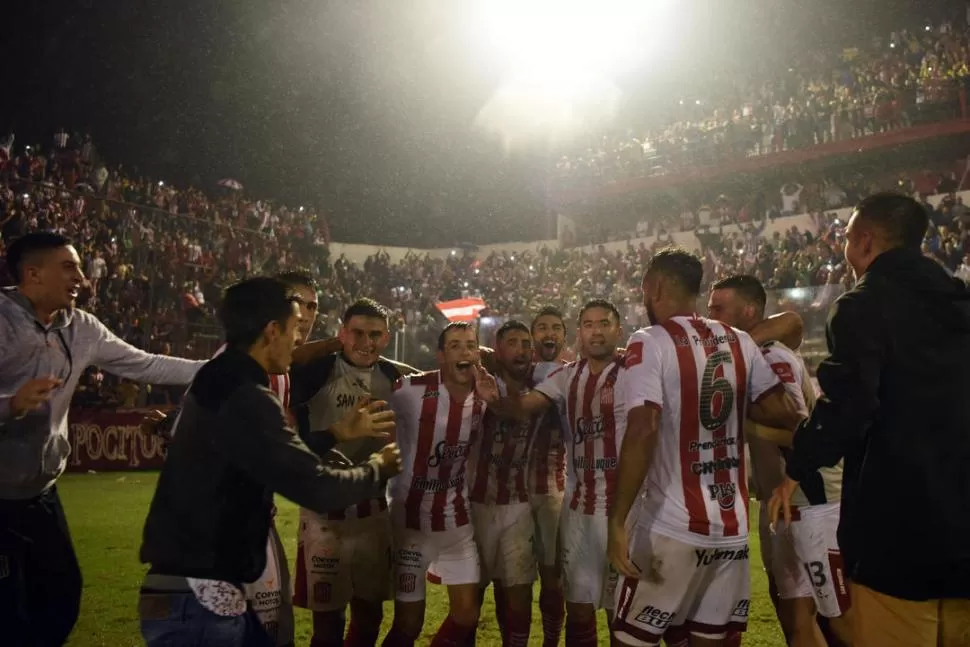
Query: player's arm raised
786	327
515	406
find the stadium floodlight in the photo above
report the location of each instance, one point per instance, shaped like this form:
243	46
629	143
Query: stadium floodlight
560	60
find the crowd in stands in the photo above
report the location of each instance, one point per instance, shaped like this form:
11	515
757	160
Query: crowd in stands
909	77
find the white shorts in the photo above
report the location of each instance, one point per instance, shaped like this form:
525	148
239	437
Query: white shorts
503	534
546	512
340	560
452	554
270	596
588	577
705	590
814	567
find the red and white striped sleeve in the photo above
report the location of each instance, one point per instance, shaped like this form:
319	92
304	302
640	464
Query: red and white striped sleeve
643	371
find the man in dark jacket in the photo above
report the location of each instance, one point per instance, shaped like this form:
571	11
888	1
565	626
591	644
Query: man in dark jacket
207	528
896	406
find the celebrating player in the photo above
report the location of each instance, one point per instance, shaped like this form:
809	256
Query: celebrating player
439	419
498	477
343	557
547	476
687	385
805	563
586	394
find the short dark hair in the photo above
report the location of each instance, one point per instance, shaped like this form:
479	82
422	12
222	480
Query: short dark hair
365	307
298	279
509	326
679	265
455	325
598	303
248	306
548	311
901	219
745	286
26	249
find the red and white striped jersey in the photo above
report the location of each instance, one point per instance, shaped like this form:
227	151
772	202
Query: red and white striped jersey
435	434
594	416
499	471
701	374
547	461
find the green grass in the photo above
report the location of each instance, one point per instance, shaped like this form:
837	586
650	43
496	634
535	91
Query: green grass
106	513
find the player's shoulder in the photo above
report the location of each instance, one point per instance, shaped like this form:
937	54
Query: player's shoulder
414	381
542	370
776	349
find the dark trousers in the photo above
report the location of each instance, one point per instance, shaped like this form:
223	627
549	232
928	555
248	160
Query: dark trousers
178	620
40	581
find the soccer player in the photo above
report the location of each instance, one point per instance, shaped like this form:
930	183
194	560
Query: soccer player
807	565
587	396
688	383
547	477
439	419
498	481
344	557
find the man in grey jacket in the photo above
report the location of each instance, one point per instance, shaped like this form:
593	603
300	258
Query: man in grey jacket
45	345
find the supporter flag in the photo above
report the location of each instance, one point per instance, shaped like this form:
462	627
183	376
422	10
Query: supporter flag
461	309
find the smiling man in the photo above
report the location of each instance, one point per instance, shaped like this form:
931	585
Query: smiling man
45	346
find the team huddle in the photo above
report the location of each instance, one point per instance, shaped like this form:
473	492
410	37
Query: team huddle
618	480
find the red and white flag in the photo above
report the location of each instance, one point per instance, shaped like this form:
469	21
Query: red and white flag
461	309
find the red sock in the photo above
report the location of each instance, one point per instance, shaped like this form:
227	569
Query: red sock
581	634
733	639
357	637
396	638
501	615
518	627
553	610
677	637
451	634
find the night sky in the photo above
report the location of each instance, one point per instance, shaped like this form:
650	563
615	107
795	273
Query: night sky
361	107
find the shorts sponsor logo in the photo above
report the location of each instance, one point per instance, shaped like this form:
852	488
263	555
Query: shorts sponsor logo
656	618
445	454
267	600
741	609
724	494
322	592
707	556
408	557
709	467
324	563
406	582
505	430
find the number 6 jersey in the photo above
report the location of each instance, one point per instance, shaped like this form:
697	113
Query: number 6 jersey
701	374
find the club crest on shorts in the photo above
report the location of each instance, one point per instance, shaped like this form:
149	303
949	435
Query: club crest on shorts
724	494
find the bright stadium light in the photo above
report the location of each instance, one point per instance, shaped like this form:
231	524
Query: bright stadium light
561	58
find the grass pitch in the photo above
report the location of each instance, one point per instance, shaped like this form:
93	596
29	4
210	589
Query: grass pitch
106	512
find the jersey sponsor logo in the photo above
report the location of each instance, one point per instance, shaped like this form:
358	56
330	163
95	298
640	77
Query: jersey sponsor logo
654	617
634	354
445	454
707	556
601	464
723	493
500	461
726	441
589	429
347	400
709	467
429	394
713	341
784	372
508	430
425	484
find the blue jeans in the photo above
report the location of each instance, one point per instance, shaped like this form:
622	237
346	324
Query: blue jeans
178	620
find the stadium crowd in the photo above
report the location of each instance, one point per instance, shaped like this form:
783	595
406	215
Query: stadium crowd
911	76
157	256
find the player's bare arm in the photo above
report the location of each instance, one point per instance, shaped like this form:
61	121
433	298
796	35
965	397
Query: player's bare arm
786	327
779	411
514	406
316	350
636	455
